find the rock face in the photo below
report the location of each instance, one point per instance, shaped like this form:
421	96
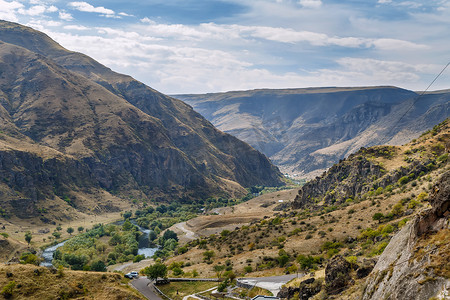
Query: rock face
70	126
337	275
415	263
305	131
365	268
306	290
355	176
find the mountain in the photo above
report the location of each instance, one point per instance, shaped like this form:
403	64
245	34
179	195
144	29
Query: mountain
305	131
373	226
73	130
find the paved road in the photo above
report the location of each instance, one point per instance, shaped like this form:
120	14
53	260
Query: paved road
142	285
273	283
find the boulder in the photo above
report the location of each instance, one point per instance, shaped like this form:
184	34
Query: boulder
309	288
287	292
337	275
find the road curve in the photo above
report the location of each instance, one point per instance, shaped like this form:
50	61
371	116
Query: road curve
145	287
273	283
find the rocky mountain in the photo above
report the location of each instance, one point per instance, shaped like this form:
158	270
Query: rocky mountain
415	263
305	131
73	129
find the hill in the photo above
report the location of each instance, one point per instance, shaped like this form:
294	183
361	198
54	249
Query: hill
350	213
305	131
32	282
78	137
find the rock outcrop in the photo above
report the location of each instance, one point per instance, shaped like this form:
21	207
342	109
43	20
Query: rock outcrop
415	263
337	275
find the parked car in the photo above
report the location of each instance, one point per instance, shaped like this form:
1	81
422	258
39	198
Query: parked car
132	275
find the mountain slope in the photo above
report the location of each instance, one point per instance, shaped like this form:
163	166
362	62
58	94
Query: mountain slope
305	131
187	129
65	137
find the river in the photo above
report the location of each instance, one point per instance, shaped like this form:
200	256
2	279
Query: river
143	247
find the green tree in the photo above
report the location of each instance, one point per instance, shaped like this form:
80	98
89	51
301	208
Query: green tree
207	255
155	271
70	230
98	266
56	234
80	229
152	235
127	215
59	228
377	217
169	234
28	237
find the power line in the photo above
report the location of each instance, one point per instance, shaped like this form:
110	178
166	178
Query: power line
414	103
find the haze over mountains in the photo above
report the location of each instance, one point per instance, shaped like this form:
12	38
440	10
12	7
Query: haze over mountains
71	127
305	131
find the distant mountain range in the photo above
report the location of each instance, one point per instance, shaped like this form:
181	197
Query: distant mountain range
305	131
73	130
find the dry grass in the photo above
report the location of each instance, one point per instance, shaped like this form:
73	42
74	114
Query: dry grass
178	290
40	283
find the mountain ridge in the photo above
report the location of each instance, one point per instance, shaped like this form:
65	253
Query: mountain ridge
160	149
305	131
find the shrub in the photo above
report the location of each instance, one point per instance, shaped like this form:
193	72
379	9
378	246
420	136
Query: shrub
377	216
248	269
8	289
403	180
309	262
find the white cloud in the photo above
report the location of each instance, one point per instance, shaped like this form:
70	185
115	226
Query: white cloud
52	8
384	1
33	10
75	27
311	3
65	16
8	10
125	14
147	20
86	7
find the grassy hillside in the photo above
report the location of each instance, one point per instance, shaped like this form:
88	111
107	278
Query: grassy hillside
31	282
354	209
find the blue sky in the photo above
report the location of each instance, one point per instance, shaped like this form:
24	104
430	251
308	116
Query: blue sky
199	46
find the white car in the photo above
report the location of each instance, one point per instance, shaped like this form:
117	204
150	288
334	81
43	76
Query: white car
132	275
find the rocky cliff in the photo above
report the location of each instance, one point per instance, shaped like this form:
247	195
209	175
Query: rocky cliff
415	263
376	168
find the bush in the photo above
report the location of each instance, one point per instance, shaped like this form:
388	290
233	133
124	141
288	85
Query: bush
98	266
248	269
7	290
378	216
309	262
403	180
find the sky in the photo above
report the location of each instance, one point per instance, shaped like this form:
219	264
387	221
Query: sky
201	46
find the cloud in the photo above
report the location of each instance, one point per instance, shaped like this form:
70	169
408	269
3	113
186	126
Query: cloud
311	3
125	14
86	7
65	16
8	10
384	1
75	27
33	11
52	8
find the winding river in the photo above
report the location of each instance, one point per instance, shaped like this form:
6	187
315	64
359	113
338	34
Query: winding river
144	249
